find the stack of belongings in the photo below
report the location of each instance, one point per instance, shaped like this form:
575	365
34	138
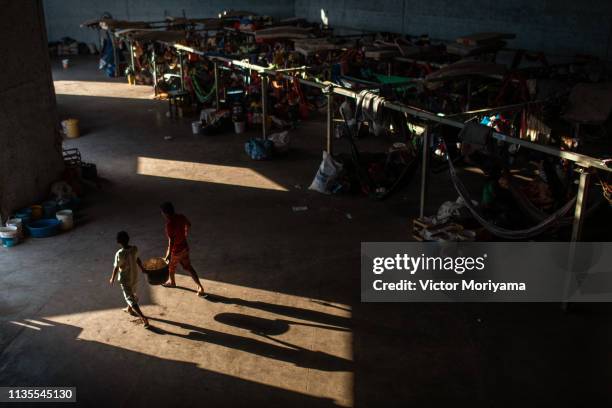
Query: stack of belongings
151	35
311	46
380	49
68	46
462	70
282	32
111	24
208	23
478	44
589	104
386	46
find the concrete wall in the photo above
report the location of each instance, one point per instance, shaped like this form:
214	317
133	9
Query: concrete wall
563	27
30	146
64	16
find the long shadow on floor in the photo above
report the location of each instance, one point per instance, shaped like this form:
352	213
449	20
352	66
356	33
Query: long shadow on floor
327	321
288	352
97	369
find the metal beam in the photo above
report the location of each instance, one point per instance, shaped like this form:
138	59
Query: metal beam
182	71
580	159
424	170
581	202
133	66
154	72
264	105
330	122
216	72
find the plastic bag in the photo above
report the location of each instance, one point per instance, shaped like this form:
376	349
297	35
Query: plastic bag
281	141
258	149
326	175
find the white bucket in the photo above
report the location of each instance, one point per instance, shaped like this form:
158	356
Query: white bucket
16	222
65	63
8	232
66	218
239	127
196	127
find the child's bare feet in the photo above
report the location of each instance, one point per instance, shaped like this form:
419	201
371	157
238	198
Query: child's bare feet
145	322
129	310
201	292
169	284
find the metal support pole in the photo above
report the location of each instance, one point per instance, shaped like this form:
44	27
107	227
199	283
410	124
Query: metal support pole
330	122
581	200
264	105
182	71
424	170
469	95
154	63
115	56
132	64
216	69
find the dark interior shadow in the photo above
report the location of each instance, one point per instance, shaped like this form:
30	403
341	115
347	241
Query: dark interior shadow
290	353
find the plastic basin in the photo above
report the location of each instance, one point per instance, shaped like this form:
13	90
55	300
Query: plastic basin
24	215
156	270
44	228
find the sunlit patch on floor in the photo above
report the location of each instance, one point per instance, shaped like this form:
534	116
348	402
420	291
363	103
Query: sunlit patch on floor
103	89
289	342
209	173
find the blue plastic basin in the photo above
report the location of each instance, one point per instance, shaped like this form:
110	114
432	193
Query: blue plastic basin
44	228
25	215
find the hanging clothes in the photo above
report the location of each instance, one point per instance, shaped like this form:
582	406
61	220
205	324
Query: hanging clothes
370	108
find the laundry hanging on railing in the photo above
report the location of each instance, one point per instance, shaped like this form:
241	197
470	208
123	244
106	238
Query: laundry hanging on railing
370	108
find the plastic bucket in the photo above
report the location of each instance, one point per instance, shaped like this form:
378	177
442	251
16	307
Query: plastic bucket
8	235
196	127
71	128
37	212
8	242
8	232
239	127
18	223
49	209
66	218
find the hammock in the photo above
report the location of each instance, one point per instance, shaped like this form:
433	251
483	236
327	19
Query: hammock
547	223
200	93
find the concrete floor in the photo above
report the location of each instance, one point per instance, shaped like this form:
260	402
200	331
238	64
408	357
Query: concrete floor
284	325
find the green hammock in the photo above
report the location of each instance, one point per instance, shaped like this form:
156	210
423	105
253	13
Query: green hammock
201	94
